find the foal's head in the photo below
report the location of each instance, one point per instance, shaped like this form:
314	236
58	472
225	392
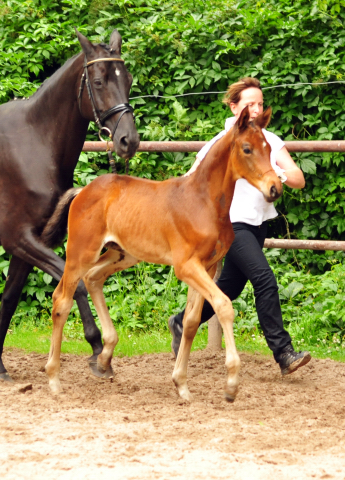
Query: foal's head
110	83
251	154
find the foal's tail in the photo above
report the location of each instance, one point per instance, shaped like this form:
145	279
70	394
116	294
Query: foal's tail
56	228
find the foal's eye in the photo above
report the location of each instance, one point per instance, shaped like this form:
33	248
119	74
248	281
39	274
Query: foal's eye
247	150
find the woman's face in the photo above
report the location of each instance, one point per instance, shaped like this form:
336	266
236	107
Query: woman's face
253	98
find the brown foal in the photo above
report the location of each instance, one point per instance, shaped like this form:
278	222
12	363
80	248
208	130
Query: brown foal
182	222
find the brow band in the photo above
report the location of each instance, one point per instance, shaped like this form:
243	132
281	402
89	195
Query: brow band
104	60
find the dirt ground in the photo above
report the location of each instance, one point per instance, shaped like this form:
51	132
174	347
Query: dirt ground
136	427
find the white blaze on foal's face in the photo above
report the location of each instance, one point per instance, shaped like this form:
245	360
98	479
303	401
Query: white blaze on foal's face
117	72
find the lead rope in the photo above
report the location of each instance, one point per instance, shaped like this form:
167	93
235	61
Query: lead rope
111	158
112	161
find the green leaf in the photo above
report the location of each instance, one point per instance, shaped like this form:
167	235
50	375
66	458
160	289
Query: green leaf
291	290
83	157
40	294
47	278
293	218
308	166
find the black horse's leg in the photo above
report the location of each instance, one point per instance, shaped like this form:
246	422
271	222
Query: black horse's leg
35	253
17	275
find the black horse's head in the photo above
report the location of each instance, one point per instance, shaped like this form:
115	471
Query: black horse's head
108	83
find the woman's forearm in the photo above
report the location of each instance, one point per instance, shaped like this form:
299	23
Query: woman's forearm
295	178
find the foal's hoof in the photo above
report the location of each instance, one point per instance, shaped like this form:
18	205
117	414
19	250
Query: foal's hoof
5	377
229	398
98	370
55	387
106	373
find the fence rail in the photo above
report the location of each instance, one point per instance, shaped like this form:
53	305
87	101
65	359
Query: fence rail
296	244
292	146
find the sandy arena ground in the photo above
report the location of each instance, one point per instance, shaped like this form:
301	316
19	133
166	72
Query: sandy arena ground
136	427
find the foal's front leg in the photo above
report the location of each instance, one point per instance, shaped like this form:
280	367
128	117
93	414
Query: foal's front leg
196	276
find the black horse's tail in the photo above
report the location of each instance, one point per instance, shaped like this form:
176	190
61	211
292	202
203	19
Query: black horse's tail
56	228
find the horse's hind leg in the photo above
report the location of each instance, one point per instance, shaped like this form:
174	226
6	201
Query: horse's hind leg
29	249
62	304
191	322
17	274
91	331
110	262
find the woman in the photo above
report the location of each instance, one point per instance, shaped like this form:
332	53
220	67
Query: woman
249	213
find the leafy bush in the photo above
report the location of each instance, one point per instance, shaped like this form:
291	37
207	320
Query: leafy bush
174	48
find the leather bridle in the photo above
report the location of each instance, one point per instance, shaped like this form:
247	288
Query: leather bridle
100	118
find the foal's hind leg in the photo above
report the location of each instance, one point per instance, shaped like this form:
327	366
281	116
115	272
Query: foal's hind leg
110	262
191	322
62	304
28	248
16	278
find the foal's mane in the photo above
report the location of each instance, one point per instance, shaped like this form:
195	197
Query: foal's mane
204	162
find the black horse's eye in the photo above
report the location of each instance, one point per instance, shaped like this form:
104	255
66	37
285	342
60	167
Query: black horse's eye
97	82
247	150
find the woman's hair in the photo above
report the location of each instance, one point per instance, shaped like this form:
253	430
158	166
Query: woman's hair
234	91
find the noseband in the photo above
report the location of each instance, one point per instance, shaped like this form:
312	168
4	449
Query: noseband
100	118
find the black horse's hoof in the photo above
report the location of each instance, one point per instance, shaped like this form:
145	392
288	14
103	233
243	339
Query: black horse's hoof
5	377
100	372
229	398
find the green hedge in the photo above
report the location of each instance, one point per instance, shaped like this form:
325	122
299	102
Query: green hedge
177	47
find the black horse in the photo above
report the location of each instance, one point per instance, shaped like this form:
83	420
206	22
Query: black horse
40	142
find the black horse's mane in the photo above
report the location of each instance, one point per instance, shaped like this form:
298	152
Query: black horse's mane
60	70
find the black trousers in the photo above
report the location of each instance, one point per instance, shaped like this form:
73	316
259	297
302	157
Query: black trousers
245	261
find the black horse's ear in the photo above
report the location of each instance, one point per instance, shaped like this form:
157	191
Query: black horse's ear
242	122
115	42
264	119
86	45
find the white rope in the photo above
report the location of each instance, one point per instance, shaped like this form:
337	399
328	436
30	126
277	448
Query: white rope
218	93
297	84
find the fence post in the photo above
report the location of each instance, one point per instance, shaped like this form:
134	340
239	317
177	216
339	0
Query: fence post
214	328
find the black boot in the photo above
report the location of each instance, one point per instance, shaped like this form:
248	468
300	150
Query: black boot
176	332
289	360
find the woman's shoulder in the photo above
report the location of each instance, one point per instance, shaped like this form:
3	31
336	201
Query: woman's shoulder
276	142
202	153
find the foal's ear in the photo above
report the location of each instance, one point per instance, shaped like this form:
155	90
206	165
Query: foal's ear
115	42
264	119
242	122
86	45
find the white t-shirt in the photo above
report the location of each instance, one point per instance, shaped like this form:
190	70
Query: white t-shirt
248	204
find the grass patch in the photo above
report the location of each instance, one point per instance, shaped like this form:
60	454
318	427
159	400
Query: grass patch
256	344
155	341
